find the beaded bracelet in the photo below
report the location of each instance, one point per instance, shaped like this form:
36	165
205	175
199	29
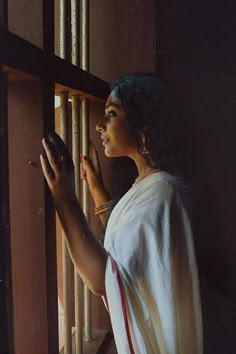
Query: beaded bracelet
103	207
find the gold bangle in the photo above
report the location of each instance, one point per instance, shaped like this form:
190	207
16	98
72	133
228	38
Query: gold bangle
101	211
103	207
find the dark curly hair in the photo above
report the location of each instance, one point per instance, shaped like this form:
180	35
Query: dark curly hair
149	111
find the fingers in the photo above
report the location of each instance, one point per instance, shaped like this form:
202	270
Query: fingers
94	157
59	145
83	174
59	152
51	158
85	164
47	171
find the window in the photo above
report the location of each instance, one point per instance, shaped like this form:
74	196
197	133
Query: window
31	75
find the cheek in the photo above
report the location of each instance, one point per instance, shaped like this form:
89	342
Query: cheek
125	139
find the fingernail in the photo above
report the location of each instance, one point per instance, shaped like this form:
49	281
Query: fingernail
49	136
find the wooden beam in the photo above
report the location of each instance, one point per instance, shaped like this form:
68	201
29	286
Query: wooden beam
6	317
23	56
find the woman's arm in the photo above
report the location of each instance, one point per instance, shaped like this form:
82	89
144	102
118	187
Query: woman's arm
87	253
91	173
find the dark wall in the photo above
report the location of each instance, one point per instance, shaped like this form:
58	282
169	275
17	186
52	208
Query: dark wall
196	55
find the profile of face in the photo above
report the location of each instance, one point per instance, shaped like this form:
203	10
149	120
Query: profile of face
117	137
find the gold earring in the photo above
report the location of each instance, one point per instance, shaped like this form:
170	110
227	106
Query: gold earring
145	150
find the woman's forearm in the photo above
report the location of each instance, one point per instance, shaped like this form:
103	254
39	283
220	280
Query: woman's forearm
88	255
100	197
86	252
91	173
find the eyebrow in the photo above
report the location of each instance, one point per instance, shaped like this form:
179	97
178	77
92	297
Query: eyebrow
113	104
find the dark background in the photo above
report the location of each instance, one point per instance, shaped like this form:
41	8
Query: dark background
197	51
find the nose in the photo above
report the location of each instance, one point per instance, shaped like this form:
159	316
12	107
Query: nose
101	126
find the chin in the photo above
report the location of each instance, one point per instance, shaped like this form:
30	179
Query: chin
110	153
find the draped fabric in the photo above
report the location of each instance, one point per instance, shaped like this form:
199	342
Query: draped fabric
149	238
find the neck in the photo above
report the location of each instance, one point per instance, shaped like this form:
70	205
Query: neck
141	164
144	168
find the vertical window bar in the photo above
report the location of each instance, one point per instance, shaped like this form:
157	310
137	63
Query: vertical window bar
63	30
85	148
78	281
85	35
78	284
67	264
85	205
75	33
66	261
75	25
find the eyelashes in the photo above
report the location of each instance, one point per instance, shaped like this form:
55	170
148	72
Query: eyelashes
111	114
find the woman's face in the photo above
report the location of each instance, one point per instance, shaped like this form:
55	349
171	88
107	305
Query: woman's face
117	137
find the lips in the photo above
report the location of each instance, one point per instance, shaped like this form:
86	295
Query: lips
104	140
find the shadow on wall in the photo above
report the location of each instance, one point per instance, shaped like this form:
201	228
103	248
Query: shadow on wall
211	185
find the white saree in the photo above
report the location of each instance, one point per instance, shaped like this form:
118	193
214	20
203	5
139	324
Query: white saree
149	237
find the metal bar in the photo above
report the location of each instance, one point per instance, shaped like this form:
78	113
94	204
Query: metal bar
63	29
85	141
77	280
75	25
64	116
84	35
85	205
85	148
67	264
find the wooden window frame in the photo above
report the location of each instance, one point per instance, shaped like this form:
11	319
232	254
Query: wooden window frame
22	59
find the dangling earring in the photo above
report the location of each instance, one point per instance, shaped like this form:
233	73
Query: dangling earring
145	150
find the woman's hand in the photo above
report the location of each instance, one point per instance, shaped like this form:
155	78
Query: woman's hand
58	170
87	253
91	170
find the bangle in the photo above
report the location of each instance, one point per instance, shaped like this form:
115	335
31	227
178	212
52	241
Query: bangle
103	207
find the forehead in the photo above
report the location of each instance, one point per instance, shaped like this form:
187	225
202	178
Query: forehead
113	99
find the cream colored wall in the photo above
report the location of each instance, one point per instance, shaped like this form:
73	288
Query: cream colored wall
122	37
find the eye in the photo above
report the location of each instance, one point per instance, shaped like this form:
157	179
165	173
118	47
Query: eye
112	113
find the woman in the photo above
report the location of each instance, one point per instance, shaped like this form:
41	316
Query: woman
146	270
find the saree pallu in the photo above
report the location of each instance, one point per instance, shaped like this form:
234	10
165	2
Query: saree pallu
149	239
